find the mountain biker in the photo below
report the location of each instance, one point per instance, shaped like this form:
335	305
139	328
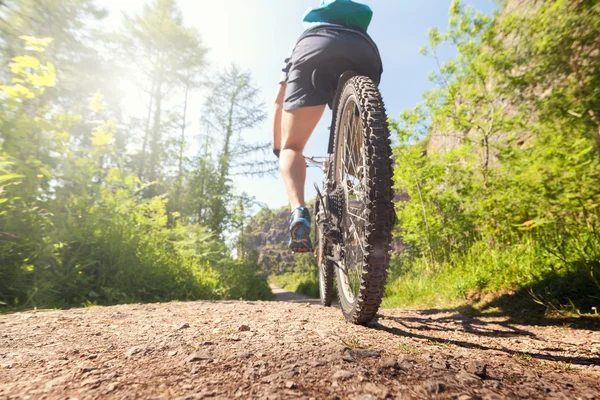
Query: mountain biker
335	38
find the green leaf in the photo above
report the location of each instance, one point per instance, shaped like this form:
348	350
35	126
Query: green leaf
33	43
101	137
9	177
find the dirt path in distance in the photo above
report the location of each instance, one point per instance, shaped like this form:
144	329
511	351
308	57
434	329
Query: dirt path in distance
280	294
288	350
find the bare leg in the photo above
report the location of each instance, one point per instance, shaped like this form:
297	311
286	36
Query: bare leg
297	126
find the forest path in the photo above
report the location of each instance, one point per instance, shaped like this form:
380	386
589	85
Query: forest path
280	294
242	349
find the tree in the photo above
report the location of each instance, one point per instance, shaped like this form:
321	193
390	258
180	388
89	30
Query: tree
512	199
232	107
169	55
77	50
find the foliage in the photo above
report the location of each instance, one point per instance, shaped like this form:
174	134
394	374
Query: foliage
79	224
499	166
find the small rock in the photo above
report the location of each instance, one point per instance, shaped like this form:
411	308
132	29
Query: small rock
365	396
134	350
466	378
198	356
378	390
272	377
365	353
435	387
439	362
111	387
86	368
172	353
241	355
476	367
464	397
333	358
438	365
290	384
249	373
92	356
347	356
493	384
184	326
404	364
342	375
388	363
244	328
93	383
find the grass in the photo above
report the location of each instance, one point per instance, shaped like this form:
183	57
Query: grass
353	343
407	349
524	359
495	281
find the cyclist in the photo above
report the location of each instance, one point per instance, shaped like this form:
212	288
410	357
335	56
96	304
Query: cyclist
335	38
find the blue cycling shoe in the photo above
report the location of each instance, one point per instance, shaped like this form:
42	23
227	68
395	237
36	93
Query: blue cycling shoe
300	231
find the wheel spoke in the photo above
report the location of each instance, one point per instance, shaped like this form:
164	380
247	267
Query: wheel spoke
351	160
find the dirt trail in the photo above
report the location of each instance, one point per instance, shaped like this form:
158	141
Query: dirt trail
237	349
280	294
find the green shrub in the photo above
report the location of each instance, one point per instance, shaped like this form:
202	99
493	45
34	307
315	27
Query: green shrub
513	204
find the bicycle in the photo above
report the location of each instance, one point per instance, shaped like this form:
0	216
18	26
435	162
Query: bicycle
354	213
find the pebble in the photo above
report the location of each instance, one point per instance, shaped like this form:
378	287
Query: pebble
241	355
388	363
133	351
476	367
244	328
290	384
365	353
435	387
198	356
342	375
365	396
466	378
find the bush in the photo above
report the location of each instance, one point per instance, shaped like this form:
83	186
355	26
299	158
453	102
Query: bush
514	200
74	227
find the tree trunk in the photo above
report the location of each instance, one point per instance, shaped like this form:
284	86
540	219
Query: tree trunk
182	140
146	134
155	138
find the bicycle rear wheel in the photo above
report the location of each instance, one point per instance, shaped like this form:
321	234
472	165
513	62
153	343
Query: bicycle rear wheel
362	171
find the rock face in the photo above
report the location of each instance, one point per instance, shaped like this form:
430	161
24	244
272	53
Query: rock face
268	237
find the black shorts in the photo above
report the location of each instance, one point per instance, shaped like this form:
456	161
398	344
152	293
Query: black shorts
343	49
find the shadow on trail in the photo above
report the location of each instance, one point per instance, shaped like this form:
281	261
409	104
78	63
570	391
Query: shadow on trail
499	323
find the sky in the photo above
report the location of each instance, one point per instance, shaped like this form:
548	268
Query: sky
259	34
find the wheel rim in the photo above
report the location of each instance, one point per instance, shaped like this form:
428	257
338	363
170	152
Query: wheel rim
349	173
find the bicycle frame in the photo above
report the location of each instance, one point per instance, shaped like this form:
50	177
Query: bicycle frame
315	161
